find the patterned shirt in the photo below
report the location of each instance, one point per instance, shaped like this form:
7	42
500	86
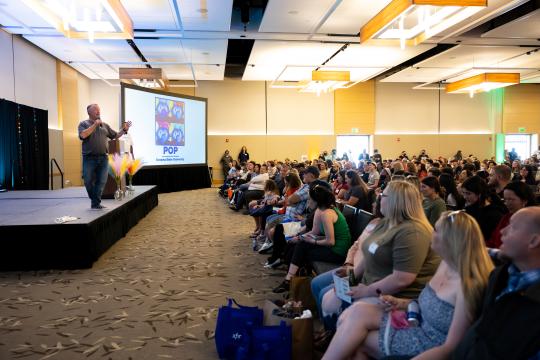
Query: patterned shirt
300	207
518	280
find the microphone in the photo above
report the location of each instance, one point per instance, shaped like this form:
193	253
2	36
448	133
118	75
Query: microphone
99	118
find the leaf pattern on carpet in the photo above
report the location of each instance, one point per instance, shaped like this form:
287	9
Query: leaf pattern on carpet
154	295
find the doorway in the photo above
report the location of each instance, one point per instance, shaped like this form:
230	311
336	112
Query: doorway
522	144
352	145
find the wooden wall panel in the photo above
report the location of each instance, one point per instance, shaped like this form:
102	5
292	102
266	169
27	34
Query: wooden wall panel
522	108
355	108
69	111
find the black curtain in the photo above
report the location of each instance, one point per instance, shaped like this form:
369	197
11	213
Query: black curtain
24	145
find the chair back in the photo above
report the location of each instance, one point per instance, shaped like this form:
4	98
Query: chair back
361	220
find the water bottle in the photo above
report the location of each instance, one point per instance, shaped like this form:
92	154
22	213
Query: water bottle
413	314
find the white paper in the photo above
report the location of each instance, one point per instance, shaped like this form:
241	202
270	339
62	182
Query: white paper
341	284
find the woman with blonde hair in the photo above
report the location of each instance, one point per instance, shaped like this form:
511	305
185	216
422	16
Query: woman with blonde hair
397	258
448	305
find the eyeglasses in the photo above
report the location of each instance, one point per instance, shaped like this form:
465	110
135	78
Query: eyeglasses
453	214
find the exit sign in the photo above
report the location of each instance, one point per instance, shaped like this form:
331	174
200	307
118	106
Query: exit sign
354	130
521	129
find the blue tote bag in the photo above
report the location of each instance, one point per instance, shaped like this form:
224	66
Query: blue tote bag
271	342
233	329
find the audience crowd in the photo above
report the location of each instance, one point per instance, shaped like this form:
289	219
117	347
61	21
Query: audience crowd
456	240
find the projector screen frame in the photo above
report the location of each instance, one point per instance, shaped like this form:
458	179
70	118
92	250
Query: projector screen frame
123	86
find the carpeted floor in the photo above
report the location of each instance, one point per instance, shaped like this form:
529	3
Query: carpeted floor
153	295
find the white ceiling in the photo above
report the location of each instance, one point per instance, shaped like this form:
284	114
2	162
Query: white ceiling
190	38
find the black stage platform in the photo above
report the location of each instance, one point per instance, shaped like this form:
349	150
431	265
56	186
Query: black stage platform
31	240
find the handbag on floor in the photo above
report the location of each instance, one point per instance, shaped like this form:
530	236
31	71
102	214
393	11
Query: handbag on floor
300	290
301	330
271	342
233	330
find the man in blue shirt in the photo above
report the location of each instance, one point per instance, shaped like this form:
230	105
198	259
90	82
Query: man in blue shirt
508	326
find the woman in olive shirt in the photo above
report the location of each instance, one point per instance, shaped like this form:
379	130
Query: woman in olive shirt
398	259
329	240
433	202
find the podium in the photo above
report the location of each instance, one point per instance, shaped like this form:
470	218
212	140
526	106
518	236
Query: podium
110	185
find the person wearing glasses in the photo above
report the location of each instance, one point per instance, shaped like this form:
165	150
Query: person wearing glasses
448	304
397	258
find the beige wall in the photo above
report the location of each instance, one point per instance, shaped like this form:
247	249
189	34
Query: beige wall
28	75
262	148
402	110
234	107
391	146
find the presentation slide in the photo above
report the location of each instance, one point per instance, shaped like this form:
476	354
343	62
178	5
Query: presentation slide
167	129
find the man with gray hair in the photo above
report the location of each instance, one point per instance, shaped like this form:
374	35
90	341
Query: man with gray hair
94	134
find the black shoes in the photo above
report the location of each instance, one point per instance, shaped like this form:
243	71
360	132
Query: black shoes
283	287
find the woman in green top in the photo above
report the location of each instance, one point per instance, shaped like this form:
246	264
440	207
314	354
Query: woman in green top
433	202
329	240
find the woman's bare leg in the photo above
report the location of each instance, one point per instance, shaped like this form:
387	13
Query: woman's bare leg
353	328
370	349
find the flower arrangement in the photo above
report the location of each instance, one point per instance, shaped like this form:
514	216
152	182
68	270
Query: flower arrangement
118	165
134	165
117	168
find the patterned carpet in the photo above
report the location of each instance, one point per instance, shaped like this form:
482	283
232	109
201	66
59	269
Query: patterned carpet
153	295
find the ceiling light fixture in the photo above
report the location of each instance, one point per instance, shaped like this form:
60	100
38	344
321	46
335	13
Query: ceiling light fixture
83	19
326	81
145	77
413	21
482	82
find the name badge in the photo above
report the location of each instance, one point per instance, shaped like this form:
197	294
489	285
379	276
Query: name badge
373	248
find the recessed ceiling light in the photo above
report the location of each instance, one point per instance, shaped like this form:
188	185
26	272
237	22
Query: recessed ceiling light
293	12
203	11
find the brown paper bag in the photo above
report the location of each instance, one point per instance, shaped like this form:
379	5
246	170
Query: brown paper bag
300	290
302	331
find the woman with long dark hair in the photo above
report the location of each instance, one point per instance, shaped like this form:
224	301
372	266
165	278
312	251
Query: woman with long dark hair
328	241
452	196
484	207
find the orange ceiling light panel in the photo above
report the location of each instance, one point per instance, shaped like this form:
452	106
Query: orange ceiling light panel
483	82
326	81
411	22
85	19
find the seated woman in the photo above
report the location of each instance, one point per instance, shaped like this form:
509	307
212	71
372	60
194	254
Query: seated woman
517	195
357	194
453	198
397	254
487	209
329	239
263	207
340	186
449	304
433	202
323	283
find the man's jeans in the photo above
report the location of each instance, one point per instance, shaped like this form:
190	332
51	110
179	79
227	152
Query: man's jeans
95	170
